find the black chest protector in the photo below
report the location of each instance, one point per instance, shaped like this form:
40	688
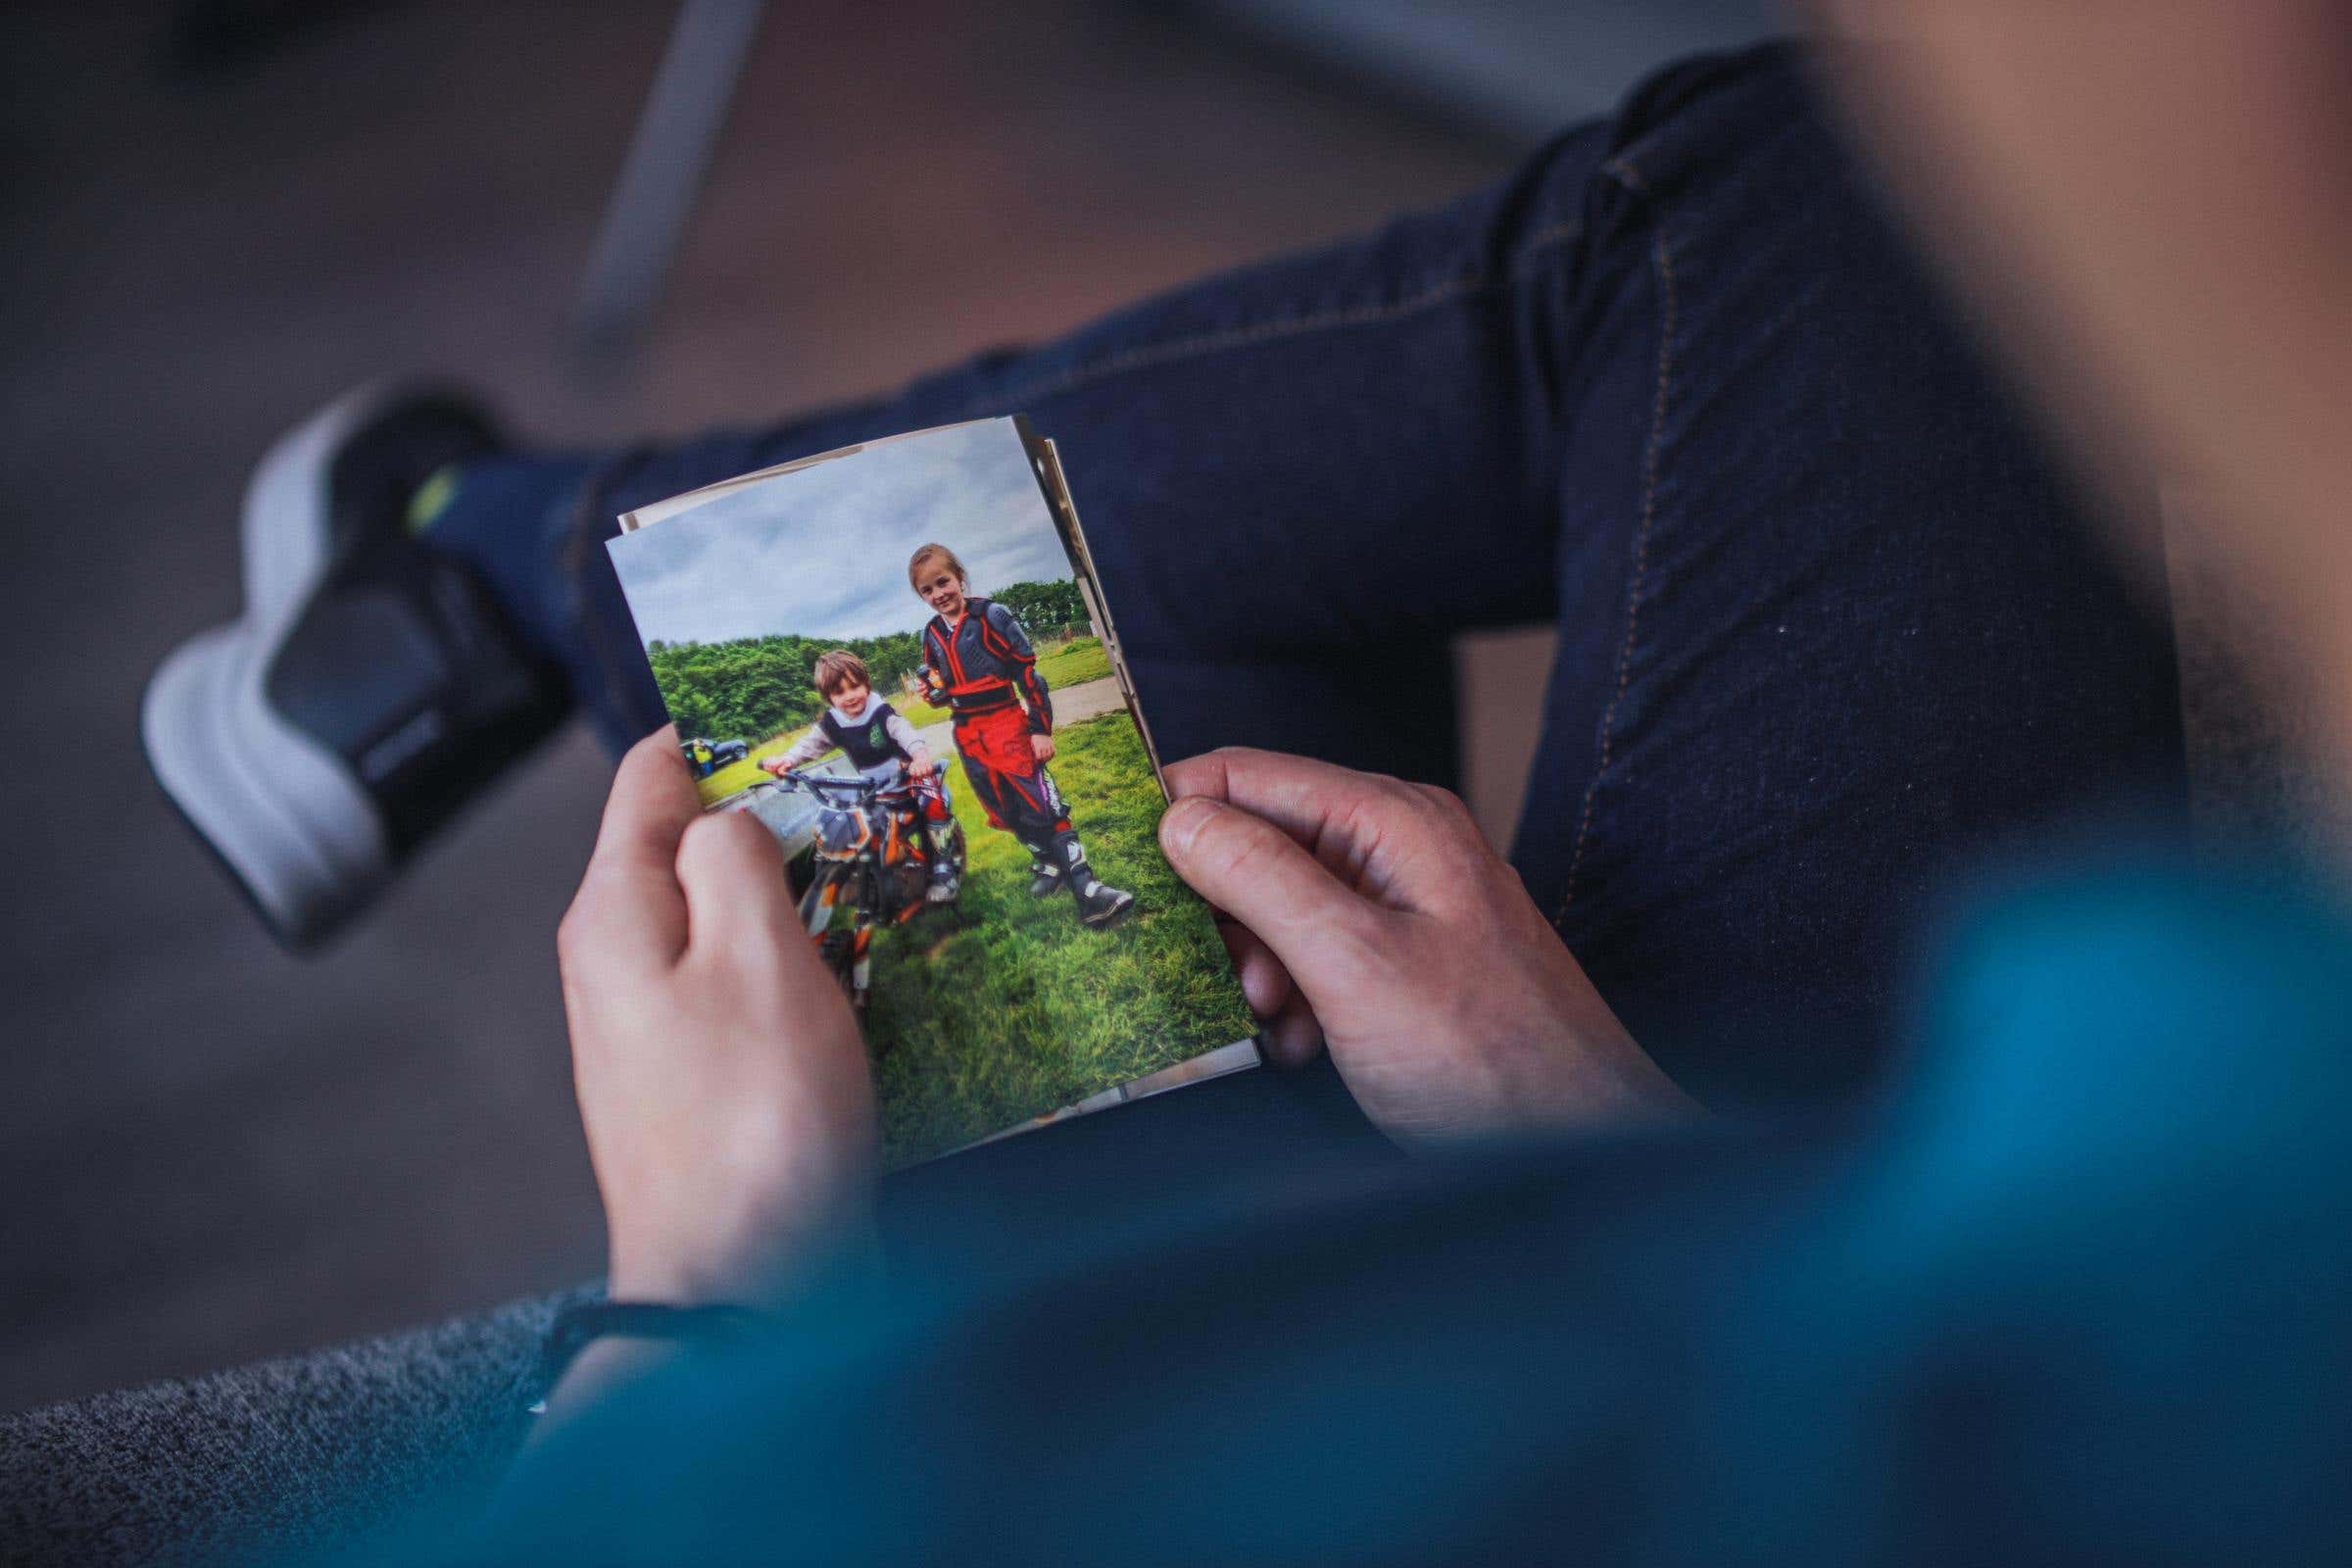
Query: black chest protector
866	743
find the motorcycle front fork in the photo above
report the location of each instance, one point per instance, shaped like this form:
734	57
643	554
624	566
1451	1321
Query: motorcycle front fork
816	911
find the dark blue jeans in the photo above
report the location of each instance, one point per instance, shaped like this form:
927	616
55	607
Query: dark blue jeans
1828	620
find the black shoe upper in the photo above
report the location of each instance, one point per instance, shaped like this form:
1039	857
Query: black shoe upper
400	663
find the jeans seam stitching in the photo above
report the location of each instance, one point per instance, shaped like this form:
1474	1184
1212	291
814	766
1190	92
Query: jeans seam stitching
1146	357
1662	262
1174	349
1545	239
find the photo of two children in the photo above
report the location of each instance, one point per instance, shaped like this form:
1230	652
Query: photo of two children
934	730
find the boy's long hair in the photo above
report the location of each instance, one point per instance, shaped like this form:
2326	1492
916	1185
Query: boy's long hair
915	561
838	668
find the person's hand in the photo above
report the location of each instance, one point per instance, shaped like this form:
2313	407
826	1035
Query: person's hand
728	1105
923	765
1042	747
1378	922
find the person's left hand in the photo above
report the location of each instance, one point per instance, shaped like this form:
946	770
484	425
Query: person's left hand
1378	922
1042	747
724	1088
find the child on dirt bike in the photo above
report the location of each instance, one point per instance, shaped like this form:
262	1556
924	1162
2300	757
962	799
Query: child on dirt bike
978	661
879	742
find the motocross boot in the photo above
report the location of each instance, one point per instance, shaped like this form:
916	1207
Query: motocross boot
946	880
1044	876
1099	902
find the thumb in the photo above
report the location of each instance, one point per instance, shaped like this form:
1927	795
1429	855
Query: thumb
1319	929
733	872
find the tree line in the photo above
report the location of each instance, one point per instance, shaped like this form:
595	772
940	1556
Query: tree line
756	687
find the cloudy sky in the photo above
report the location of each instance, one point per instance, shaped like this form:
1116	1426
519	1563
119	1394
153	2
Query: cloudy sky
822	551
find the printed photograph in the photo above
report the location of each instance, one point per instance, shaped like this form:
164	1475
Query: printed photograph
886	656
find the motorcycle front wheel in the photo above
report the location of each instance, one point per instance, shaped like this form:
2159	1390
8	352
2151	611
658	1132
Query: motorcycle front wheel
838	951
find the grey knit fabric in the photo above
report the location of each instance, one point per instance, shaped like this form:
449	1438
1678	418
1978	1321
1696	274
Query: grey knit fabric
276	1458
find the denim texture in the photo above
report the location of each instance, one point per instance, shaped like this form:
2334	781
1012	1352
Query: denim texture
1830	621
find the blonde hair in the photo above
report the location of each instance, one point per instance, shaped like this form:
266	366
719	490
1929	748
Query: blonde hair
838	668
929	551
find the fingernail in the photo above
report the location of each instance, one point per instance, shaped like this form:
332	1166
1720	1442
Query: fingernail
1183	820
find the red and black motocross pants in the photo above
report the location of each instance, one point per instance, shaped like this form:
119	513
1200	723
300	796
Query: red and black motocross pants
1012	785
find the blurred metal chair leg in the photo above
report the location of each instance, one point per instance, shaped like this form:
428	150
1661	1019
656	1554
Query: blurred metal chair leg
654	199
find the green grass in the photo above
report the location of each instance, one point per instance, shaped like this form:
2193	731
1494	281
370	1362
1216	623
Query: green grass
1083	660
736	778
1003	1007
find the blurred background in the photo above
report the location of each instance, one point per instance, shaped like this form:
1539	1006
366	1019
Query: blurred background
220	215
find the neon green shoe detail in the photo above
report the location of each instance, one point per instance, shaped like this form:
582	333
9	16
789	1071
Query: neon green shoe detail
432	498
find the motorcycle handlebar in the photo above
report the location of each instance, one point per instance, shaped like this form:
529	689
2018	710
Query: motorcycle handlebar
863	787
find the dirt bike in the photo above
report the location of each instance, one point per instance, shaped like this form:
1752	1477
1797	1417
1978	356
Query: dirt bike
872	853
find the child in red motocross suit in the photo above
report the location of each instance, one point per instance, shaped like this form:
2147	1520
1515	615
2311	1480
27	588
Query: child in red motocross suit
879	742
978	663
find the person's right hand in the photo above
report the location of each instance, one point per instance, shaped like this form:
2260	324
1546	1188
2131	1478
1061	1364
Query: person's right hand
724	1089
1378	922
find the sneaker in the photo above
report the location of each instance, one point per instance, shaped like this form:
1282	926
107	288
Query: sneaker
368	689
1099	903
